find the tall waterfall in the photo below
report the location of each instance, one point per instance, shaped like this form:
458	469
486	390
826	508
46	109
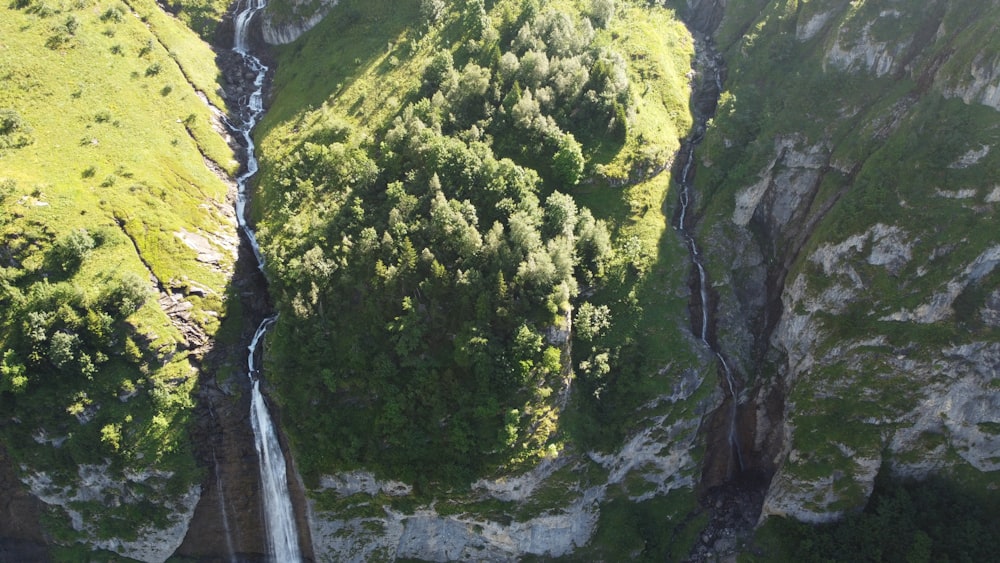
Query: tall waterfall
279	517
685	227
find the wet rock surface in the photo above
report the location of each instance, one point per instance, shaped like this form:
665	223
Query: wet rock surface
21	538
734	509
731	480
229	523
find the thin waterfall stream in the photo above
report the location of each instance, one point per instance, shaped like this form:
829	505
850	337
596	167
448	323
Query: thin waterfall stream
685	225
230	548
279	515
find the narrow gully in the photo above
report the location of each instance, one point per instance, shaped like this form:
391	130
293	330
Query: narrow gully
279	514
230	548
701	324
733	481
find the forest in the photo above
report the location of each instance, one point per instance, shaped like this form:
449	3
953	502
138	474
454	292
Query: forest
450	237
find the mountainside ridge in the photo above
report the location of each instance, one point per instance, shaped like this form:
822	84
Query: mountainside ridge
903	382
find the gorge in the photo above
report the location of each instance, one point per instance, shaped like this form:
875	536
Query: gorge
279	518
672	280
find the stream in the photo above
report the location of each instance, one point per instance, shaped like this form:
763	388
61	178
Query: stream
707	97
733	487
279	515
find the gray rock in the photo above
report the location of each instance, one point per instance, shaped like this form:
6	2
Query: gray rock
302	20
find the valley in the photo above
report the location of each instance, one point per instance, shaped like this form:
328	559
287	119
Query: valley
498	280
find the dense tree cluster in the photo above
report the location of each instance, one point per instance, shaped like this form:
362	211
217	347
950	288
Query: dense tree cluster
61	330
428	282
933	520
551	87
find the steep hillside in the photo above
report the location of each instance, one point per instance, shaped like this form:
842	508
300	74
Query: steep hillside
849	199
483	333
116	248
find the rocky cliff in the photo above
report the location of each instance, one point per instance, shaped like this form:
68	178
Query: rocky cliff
283	25
550	511
848	195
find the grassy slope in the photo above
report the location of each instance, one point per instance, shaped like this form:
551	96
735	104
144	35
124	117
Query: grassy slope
118	135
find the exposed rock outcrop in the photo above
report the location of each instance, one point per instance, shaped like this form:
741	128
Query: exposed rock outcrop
659	457
869	322
281	30
98	484
858	50
943	402
981	85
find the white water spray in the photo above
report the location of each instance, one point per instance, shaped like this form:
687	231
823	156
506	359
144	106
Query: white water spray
279	517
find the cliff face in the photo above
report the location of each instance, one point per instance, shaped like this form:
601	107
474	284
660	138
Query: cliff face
551	511
849	194
280	27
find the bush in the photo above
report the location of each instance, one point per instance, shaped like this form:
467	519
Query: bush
127	295
601	12
70	251
62	348
14	130
12	373
113	14
568	162
7	189
431	10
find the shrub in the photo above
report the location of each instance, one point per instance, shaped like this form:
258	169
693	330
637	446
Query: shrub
14	130
127	295
568	162
71	250
62	348
601	12
113	14
7	189
431	10
12	373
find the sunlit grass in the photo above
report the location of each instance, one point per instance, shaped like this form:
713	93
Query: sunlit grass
119	142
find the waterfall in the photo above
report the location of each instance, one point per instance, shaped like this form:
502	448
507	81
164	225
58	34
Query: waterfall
686	185
279	516
222	509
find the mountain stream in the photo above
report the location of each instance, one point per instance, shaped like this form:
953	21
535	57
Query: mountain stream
279	516
707	96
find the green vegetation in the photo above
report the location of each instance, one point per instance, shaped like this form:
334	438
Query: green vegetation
436	200
659	529
202	16
903	521
903	153
102	137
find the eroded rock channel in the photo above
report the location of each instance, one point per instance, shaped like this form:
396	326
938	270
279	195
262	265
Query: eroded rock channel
236	442
735	474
